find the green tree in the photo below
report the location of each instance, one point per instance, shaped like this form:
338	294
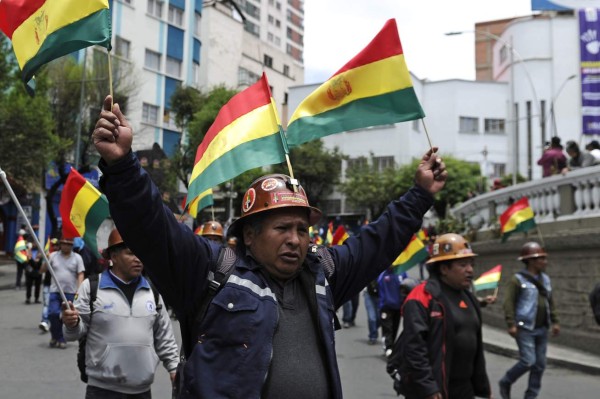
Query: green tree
317	169
195	112
368	187
25	125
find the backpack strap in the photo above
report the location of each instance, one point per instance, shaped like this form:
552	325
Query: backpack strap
93	278
156	295
542	290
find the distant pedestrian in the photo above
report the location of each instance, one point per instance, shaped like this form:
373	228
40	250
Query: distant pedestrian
68	270
530	312
593	147
553	160
390	303
349	309
90	260
577	158
440	350
21	255
371	297
46	283
212	230
33	276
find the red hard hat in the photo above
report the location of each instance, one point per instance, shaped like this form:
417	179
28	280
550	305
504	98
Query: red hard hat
273	192
114	239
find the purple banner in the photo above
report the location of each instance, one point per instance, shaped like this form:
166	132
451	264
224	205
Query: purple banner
589	42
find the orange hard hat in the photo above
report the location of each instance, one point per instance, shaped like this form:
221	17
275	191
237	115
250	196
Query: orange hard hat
273	192
211	228
450	246
114	239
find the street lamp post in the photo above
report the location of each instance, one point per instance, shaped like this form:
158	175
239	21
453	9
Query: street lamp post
520	60
562	86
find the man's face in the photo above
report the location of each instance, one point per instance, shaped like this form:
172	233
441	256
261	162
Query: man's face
66	248
458	274
537	265
281	243
126	265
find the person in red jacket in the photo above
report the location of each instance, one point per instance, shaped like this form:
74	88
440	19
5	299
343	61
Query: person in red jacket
439	354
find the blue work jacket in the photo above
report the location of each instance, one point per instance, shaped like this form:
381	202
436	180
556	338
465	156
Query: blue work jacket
527	303
233	353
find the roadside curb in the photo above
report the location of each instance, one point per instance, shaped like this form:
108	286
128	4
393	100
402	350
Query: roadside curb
550	360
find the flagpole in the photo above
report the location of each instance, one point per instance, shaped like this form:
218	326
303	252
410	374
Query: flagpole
427	134
110	80
540	234
33	235
496	292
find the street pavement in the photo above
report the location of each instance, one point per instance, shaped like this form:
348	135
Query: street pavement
30	369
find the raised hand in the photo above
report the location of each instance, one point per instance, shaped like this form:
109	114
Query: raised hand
113	134
431	174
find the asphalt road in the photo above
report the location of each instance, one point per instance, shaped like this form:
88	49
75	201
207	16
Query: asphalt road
29	369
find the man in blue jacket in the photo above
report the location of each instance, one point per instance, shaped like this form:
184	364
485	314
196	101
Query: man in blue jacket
269	331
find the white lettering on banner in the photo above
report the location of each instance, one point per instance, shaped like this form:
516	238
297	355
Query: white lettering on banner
591	96
590	111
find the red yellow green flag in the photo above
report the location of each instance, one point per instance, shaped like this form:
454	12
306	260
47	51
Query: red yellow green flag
43	30
414	253
518	217
20	251
246	134
329	235
339	236
374	88
488	280
83	209
200	202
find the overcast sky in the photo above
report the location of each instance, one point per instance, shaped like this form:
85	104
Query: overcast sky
336	30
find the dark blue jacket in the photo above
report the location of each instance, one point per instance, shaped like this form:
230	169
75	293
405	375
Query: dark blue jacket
233	353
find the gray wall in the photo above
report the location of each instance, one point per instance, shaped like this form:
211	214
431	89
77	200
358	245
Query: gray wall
573	266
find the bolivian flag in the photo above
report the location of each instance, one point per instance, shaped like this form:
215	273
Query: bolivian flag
329	234
200	202
20	251
488	280
374	88
414	253
339	236
43	30
518	217
83	209
245	135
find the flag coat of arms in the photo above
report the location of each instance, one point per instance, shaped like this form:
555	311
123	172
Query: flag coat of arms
43	30
518	217
374	88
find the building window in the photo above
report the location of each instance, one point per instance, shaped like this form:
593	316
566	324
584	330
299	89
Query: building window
468	124
196	73
499	169
359	162
246	77
277	41
268	61
286	70
416	125
383	163
494	126
271	19
504	54
173	67
278	5
197	17
285	98
270	37
175	16
152	60
150	113
122	47
155	8
169	119
252	28
252	10
277	23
